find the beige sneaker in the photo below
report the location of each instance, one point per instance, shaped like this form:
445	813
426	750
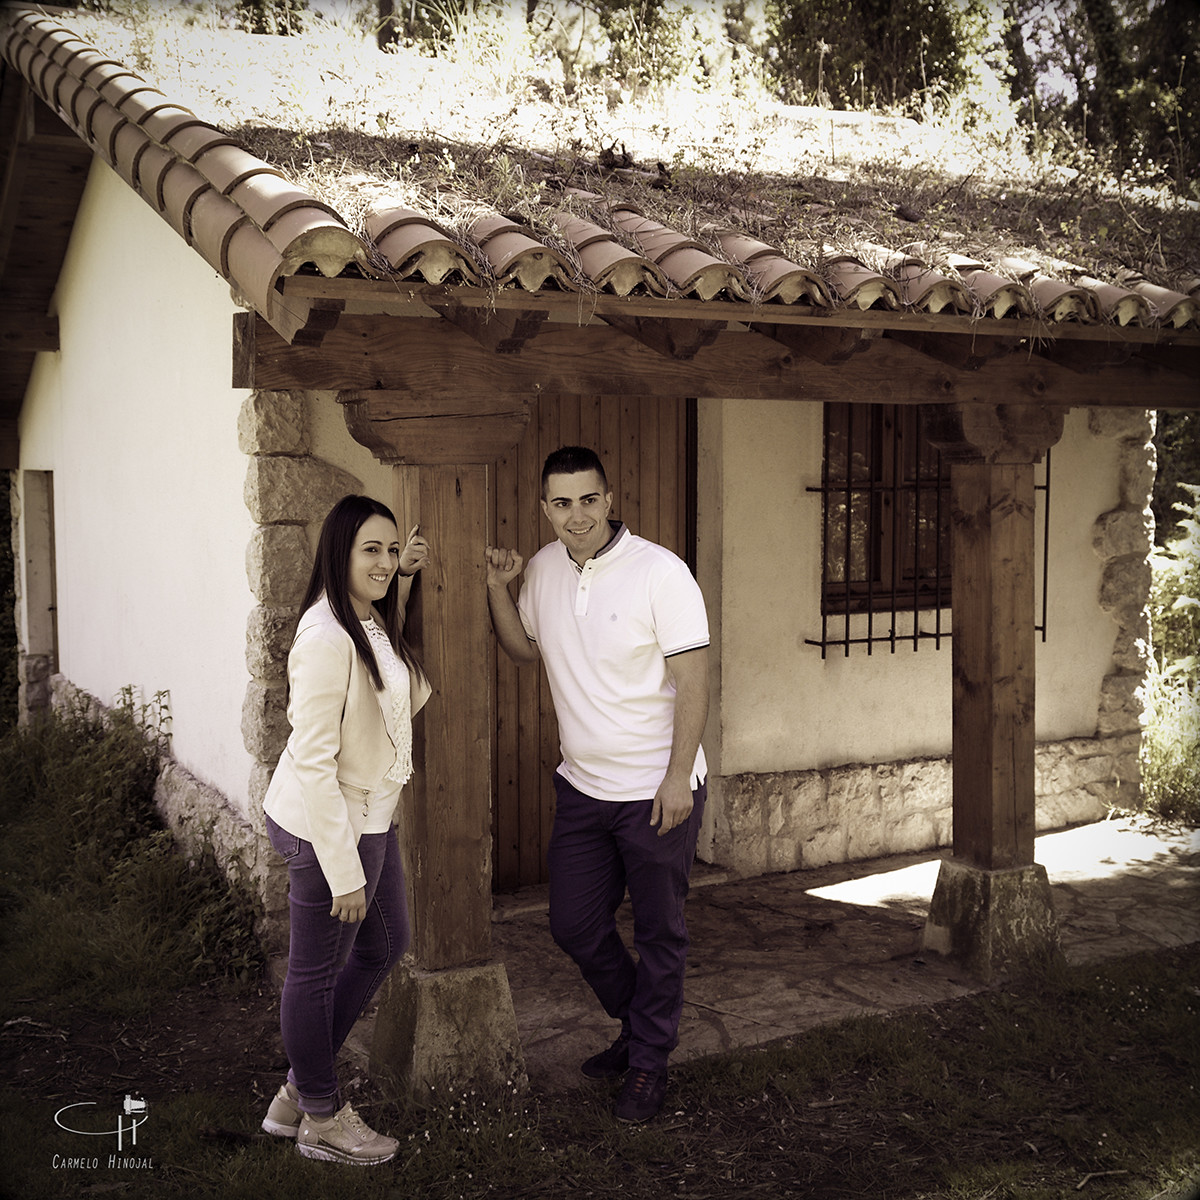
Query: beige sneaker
346	1138
283	1117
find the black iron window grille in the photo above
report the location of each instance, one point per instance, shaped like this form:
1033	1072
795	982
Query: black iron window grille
885	516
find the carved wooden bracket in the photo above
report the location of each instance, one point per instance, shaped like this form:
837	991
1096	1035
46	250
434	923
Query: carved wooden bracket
964	351
993	433
828	347
403	427
502	332
675	339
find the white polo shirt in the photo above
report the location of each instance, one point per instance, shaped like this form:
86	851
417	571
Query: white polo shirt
605	631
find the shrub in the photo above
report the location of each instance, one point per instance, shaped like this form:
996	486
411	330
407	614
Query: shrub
99	903
1171	748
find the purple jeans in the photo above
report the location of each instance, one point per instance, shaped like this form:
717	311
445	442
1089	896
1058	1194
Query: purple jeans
334	968
597	850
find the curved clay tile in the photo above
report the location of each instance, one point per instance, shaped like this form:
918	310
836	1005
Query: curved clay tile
266	195
192	141
225	164
609	264
515	256
129	145
1121	305
1017	268
1170	308
857	284
685	262
254	267
105	125
150	169
773	275
181	184
413	244
213	223
996	295
311	235
1059	301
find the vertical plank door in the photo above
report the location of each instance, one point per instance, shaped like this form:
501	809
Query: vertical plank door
646	446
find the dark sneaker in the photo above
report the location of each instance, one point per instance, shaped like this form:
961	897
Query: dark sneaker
641	1096
609	1064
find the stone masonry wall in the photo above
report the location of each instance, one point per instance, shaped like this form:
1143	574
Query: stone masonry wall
288	490
785	821
793	820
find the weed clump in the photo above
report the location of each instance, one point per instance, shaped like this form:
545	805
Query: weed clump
99	903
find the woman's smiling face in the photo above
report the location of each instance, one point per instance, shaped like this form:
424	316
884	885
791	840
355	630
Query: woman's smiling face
374	559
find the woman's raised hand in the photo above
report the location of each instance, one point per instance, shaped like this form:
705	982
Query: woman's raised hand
415	554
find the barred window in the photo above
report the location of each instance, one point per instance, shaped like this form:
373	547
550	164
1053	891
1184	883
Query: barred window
885	495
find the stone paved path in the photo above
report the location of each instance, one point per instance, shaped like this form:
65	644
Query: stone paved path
775	955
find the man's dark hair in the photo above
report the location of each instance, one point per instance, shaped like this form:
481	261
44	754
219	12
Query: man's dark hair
571	460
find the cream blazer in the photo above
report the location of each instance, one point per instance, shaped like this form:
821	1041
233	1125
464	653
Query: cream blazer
339	751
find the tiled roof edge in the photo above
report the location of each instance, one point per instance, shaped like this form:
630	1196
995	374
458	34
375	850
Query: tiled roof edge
207	187
254	226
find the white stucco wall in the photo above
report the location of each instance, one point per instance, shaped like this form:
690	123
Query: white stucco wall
331	441
136	417
781	707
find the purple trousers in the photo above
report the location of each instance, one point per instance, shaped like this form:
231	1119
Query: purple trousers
598	849
334	968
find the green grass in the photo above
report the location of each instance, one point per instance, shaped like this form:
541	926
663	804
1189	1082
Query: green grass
1082	1081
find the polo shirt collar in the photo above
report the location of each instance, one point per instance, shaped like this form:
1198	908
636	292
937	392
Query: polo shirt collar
619	537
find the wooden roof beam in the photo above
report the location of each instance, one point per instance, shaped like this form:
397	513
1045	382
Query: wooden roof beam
433	358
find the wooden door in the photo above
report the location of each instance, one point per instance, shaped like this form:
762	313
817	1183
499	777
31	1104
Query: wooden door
647	447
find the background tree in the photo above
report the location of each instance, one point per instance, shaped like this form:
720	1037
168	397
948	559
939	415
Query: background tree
1116	77
850	55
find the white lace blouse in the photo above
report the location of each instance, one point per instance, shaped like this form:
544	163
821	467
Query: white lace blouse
397	702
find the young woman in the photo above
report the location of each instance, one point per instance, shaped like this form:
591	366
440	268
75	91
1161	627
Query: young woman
354	687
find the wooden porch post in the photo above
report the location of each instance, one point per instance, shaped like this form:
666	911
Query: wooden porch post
446	1019
991	906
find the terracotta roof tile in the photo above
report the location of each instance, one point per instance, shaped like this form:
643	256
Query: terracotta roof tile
103	128
686	262
515	256
180	186
254	226
265	195
193	174
129	145
775	276
190	141
1121	305
856	284
610	265
413	245
213	223
1059	301
150	166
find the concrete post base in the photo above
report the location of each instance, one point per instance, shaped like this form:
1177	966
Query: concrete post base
995	922
447	1030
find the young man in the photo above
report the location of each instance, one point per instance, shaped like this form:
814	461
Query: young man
620	624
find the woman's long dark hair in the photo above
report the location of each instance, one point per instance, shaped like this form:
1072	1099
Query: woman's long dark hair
330	575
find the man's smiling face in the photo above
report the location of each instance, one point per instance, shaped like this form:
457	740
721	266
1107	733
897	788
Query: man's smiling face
577	507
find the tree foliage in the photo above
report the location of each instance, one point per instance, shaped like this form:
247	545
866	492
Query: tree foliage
868	52
1118	77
